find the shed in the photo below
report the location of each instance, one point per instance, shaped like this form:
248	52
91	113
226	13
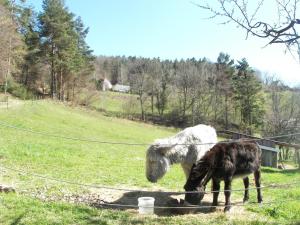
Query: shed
121	88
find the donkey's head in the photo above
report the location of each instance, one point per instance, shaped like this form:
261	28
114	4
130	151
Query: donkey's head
157	163
196	183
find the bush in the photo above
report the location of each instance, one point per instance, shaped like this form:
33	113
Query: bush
19	90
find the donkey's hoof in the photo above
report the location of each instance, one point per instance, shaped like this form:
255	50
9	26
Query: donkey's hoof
227	209
213	208
245	200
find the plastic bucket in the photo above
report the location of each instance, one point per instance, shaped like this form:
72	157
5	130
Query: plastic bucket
146	205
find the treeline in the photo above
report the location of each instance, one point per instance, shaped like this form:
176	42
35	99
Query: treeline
42	53
225	93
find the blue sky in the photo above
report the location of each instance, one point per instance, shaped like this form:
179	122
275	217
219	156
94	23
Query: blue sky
172	29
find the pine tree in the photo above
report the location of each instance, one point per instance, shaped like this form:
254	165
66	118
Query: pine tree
247	96
30	67
63	44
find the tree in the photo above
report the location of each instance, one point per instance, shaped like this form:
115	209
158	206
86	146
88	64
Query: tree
32	63
158	83
63	43
11	45
245	15
225	72
283	116
247	97
139	76
162	90
186	83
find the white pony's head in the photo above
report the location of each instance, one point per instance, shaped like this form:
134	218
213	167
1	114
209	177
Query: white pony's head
157	164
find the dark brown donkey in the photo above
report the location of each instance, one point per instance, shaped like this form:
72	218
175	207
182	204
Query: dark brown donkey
224	161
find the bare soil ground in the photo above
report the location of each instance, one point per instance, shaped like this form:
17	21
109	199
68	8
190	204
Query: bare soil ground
128	201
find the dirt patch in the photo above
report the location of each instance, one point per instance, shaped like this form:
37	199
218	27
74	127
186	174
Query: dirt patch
128	201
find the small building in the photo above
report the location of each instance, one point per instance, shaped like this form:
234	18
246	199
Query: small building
121	88
106	85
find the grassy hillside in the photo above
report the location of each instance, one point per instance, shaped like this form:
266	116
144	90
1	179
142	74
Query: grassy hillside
104	164
86	162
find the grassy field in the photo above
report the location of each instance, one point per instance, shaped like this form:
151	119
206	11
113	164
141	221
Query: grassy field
104	164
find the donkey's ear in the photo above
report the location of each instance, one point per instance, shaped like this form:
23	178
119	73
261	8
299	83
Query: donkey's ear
165	148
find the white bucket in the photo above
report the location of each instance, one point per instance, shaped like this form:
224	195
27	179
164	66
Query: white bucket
146	205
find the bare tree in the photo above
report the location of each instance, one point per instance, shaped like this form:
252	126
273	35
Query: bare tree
283	31
10	45
283	117
186	83
139	76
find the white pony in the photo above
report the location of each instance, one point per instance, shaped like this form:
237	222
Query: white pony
186	147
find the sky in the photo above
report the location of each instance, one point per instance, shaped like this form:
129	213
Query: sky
176	29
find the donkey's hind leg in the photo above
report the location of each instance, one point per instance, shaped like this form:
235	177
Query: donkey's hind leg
246	194
257	184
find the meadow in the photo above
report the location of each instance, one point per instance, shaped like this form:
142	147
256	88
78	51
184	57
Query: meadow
49	152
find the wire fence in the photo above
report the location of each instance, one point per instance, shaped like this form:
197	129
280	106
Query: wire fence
268	186
47	134
196	206
41	176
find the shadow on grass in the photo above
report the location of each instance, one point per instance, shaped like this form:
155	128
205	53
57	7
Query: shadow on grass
161	200
18	219
287	171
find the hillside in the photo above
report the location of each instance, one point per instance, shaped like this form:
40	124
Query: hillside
61	142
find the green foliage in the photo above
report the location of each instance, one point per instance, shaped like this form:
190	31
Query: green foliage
19	90
63	42
247	96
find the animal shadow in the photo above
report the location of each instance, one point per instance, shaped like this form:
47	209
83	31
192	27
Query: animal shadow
161	200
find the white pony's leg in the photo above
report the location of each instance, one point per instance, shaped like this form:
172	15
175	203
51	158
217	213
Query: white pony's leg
186	169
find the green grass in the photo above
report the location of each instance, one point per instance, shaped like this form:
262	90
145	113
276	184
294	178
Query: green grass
23	211
116	102
104	164
84	162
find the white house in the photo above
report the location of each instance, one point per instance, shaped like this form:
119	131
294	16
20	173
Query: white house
121	88
106	85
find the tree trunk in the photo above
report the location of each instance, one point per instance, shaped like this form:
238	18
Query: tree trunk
226	112
8	67
52	72
73	89
142	107
152	103
61	88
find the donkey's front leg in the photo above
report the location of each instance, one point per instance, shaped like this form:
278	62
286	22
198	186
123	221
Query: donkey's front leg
216	191
227	193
